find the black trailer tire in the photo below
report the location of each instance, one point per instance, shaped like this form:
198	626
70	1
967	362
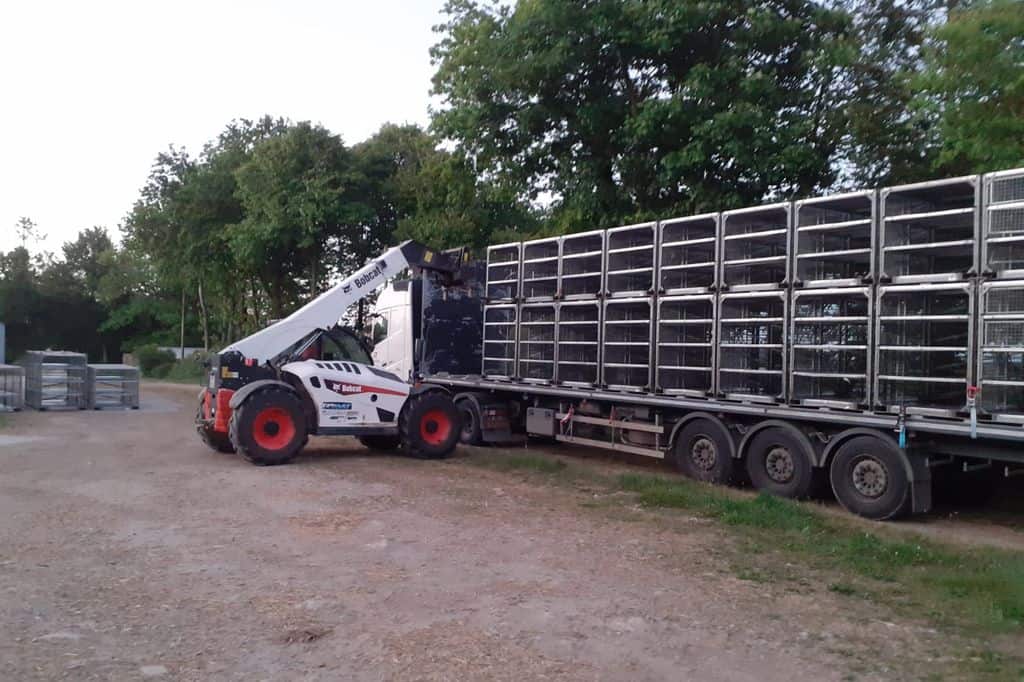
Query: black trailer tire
702	452
381	443
778	463
472	430
869	478
430	426
215	440
269	427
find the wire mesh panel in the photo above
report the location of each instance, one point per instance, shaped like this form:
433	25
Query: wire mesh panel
113	386
579	338
540	269
54	380
686	352
1001	350
1003	224
537	343
751	338
755	248
630	260
503	263
829	351
582	267
928	231
500	341
687	250
626	344
833	240
12	388
924	345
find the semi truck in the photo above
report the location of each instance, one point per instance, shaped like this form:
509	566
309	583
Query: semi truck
867	339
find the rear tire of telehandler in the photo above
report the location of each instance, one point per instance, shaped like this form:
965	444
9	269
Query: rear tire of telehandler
269	428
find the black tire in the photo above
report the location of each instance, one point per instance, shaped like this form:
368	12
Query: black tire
702	452
430	426
381	443
215	440
778	463
472	432
869	478
269	428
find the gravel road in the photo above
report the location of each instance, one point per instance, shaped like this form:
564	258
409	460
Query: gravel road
130	551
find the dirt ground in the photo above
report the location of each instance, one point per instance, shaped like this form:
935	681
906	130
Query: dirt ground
129	551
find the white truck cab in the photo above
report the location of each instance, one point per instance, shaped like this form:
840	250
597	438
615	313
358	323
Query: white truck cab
393	328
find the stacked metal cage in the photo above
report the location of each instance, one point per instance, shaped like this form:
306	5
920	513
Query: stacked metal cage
55	380
112	386
12	388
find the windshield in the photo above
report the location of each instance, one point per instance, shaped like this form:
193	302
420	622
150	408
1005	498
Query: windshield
338	344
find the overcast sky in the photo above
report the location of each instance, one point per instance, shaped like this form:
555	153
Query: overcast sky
92	91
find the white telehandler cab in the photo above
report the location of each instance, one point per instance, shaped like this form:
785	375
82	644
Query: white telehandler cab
306	375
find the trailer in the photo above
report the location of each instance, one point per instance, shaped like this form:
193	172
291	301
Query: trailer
862	339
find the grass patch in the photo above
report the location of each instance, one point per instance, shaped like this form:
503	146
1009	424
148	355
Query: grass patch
529	463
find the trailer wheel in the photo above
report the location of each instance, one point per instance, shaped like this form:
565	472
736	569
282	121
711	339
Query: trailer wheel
702	452
269	427
779	464
430	426
381	443
213	439
869	478
472	433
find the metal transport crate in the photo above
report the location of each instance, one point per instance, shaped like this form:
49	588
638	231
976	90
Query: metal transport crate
830	347
1001	351
751	343
629	264
12	388
833	240
688	254
924	341
581	274
500	322
113	386
536	340
686	345
540	269
928	231
626	344
55	380
755	248
579	343
503	264
1002	245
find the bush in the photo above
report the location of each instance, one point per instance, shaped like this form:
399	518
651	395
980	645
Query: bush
153	362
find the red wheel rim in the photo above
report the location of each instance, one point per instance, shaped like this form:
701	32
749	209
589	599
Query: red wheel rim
273	428
435	427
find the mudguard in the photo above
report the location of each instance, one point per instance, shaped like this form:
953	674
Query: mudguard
241	394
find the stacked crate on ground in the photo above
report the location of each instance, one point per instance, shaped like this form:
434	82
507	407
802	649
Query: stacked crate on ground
928	231
1002	246
579	339
686	348
755	248
12	388
924	340
688	251
630	261
626	344
503	268
833	242
55	380
830	347
536	341
113	386
582	268
500	341
751	342
1001	350
540	269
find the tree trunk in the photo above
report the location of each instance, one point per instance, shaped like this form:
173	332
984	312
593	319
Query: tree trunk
202	311
181	338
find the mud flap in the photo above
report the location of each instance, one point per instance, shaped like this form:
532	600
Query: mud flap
920	483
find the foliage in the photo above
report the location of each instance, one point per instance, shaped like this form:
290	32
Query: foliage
152	361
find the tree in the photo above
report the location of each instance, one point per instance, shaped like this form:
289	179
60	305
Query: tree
86	258
28	231
974	82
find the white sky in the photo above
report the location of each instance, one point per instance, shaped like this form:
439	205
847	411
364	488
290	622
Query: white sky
92	91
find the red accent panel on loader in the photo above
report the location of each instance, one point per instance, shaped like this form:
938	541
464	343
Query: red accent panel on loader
220	423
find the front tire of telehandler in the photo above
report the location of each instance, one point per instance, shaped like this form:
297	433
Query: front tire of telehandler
430	426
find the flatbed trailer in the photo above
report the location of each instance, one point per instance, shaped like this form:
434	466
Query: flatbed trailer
866	339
